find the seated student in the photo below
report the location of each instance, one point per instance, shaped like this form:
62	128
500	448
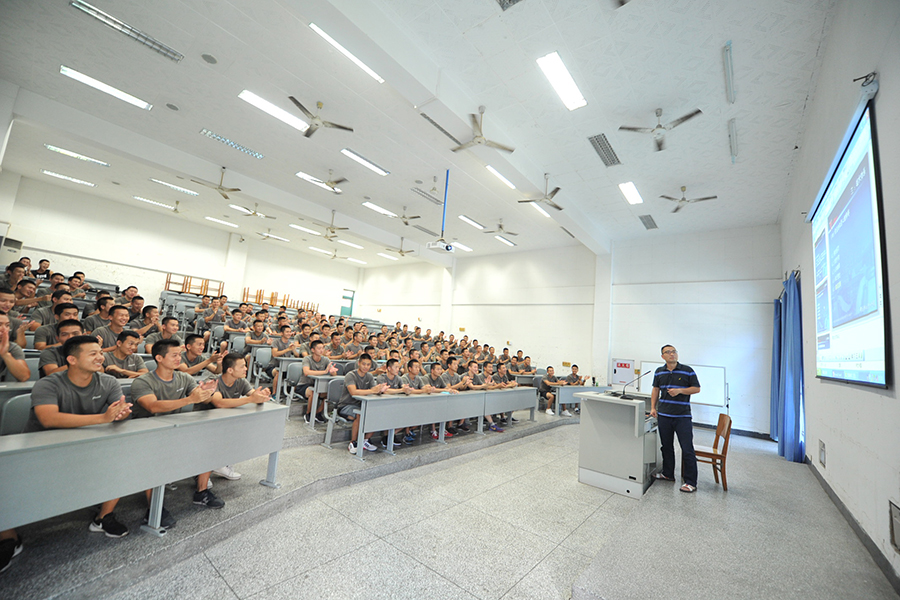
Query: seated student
573	378
513	366
27	262
549	381
44	315
81	277
417	334
201	308
12	357
167	390
520	356
122	362
305	330
354	349
148	323
476	381
525	367
451	344
404	333
194	360
15	272
427	336
74	284
408	346
381	344
256	337
414	382
118	319
43	271
358	383
393	385
127	295
17	326
212	316
135	308
168	331
52	359
503	379
426	352
304	348
26	300
335	350
435	380
281	346
236	323
491	357
78	396
445	358
315	364
101	318
45	335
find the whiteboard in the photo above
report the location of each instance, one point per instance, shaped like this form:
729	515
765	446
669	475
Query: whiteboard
713	389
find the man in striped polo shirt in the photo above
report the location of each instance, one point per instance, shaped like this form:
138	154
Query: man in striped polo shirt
670	402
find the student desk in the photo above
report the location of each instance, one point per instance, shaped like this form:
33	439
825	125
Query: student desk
508	400
566	394
526	380
158	450
320	386
283	362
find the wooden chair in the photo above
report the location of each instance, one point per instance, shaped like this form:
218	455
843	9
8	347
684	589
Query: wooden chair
715	456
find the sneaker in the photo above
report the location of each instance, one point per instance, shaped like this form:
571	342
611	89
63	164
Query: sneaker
228	473
367	445
320	418
8	549
208	499
566	413
108	525
384	443
409	439
513	420
306	419
464	427
351	448
167	521
450	431
447	434
549	411
494	427
434	434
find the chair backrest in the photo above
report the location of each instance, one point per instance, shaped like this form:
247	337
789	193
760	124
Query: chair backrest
723	431
540	371
340	369
537	381
262	356
238	344
218	332
150	364
294	372
33	367
335	389
29	341
14	414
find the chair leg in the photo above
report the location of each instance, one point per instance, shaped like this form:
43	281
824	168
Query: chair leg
724	481
715	465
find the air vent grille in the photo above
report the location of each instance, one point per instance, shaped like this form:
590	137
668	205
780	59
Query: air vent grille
604	150
428	231
648	222
441	129
505	4
427	196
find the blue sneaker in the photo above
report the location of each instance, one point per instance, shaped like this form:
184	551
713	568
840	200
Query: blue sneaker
409	439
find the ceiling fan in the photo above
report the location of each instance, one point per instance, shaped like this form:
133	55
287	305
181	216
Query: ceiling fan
548	197
500	229
478	133
333	183
314	121
251	213
224	191
404	218
331	230
659	132
401	251
682	202
269	235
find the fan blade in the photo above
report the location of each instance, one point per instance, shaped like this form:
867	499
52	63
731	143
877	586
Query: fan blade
530	201
660	143
468	144
498	146
671	198
302	108
269	217
476	126
413	217
510	233
553	193
312	129
681	120
553	204
636	129
223	194
229	190
336	126
209	185
705	198
678	207
336	182
340	228
494	230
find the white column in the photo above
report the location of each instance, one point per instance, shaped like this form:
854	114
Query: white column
602	313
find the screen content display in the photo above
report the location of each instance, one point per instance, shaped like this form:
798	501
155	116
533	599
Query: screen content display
849	275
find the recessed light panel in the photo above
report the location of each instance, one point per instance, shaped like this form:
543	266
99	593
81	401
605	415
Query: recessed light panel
471	222
561	80
500	177
67	178
227	142
177	188
500	238
629	190
221	222
103	87
364	162
351	244
378	209
387	256
71	154
154	202
346	53
304	229
275	111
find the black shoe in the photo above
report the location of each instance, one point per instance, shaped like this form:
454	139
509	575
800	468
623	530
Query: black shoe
451	430
384	443
108	525
306	419
208	499
514	420
8	549
321	419
464	427
167	521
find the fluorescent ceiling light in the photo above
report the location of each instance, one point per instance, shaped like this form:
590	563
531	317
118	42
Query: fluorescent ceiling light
221	222
241	209
732	139
471	222
356	260
122	27
154	202
538	208
427	196
631	193
461	246
313	248
273	236
500	177
227	142
504	240
100	86
175	187
378	209
346	53
559	77
387	256
351	244
71	154
301	228
364	161
316	181
67	178
269	108
729	72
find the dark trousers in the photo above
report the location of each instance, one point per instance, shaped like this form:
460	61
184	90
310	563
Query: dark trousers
683	426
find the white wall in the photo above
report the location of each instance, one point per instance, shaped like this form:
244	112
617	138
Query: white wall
408	291
710	295
858	425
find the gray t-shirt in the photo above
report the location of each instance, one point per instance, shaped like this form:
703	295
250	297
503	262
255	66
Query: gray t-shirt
308	361
572	379
58	389
478	379
51	356
17	353
436	383
395	384
179	387
14	325
450	379
239	389
46	333
139	323
505	378
155	337
352	348
108	336
332	351
192	363
279	344
132	362
366	382
43	315
551	378
94	322
218	316
513	368
416	383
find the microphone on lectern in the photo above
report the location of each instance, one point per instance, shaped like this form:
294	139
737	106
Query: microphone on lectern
624	397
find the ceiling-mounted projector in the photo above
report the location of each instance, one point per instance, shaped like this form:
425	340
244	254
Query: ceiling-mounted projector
440	246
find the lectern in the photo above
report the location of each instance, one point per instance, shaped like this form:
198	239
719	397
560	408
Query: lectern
619	447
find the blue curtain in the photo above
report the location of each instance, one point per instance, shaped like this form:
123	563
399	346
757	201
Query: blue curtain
787	416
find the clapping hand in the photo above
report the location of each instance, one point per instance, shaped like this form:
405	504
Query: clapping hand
118	410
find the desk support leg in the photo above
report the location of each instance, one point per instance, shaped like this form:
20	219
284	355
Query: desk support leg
532	414
269	481
314	406
361	436
156	506
481	424
329	431
441	436
390	443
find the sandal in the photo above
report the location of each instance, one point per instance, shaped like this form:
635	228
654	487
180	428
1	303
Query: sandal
688	488
663	477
